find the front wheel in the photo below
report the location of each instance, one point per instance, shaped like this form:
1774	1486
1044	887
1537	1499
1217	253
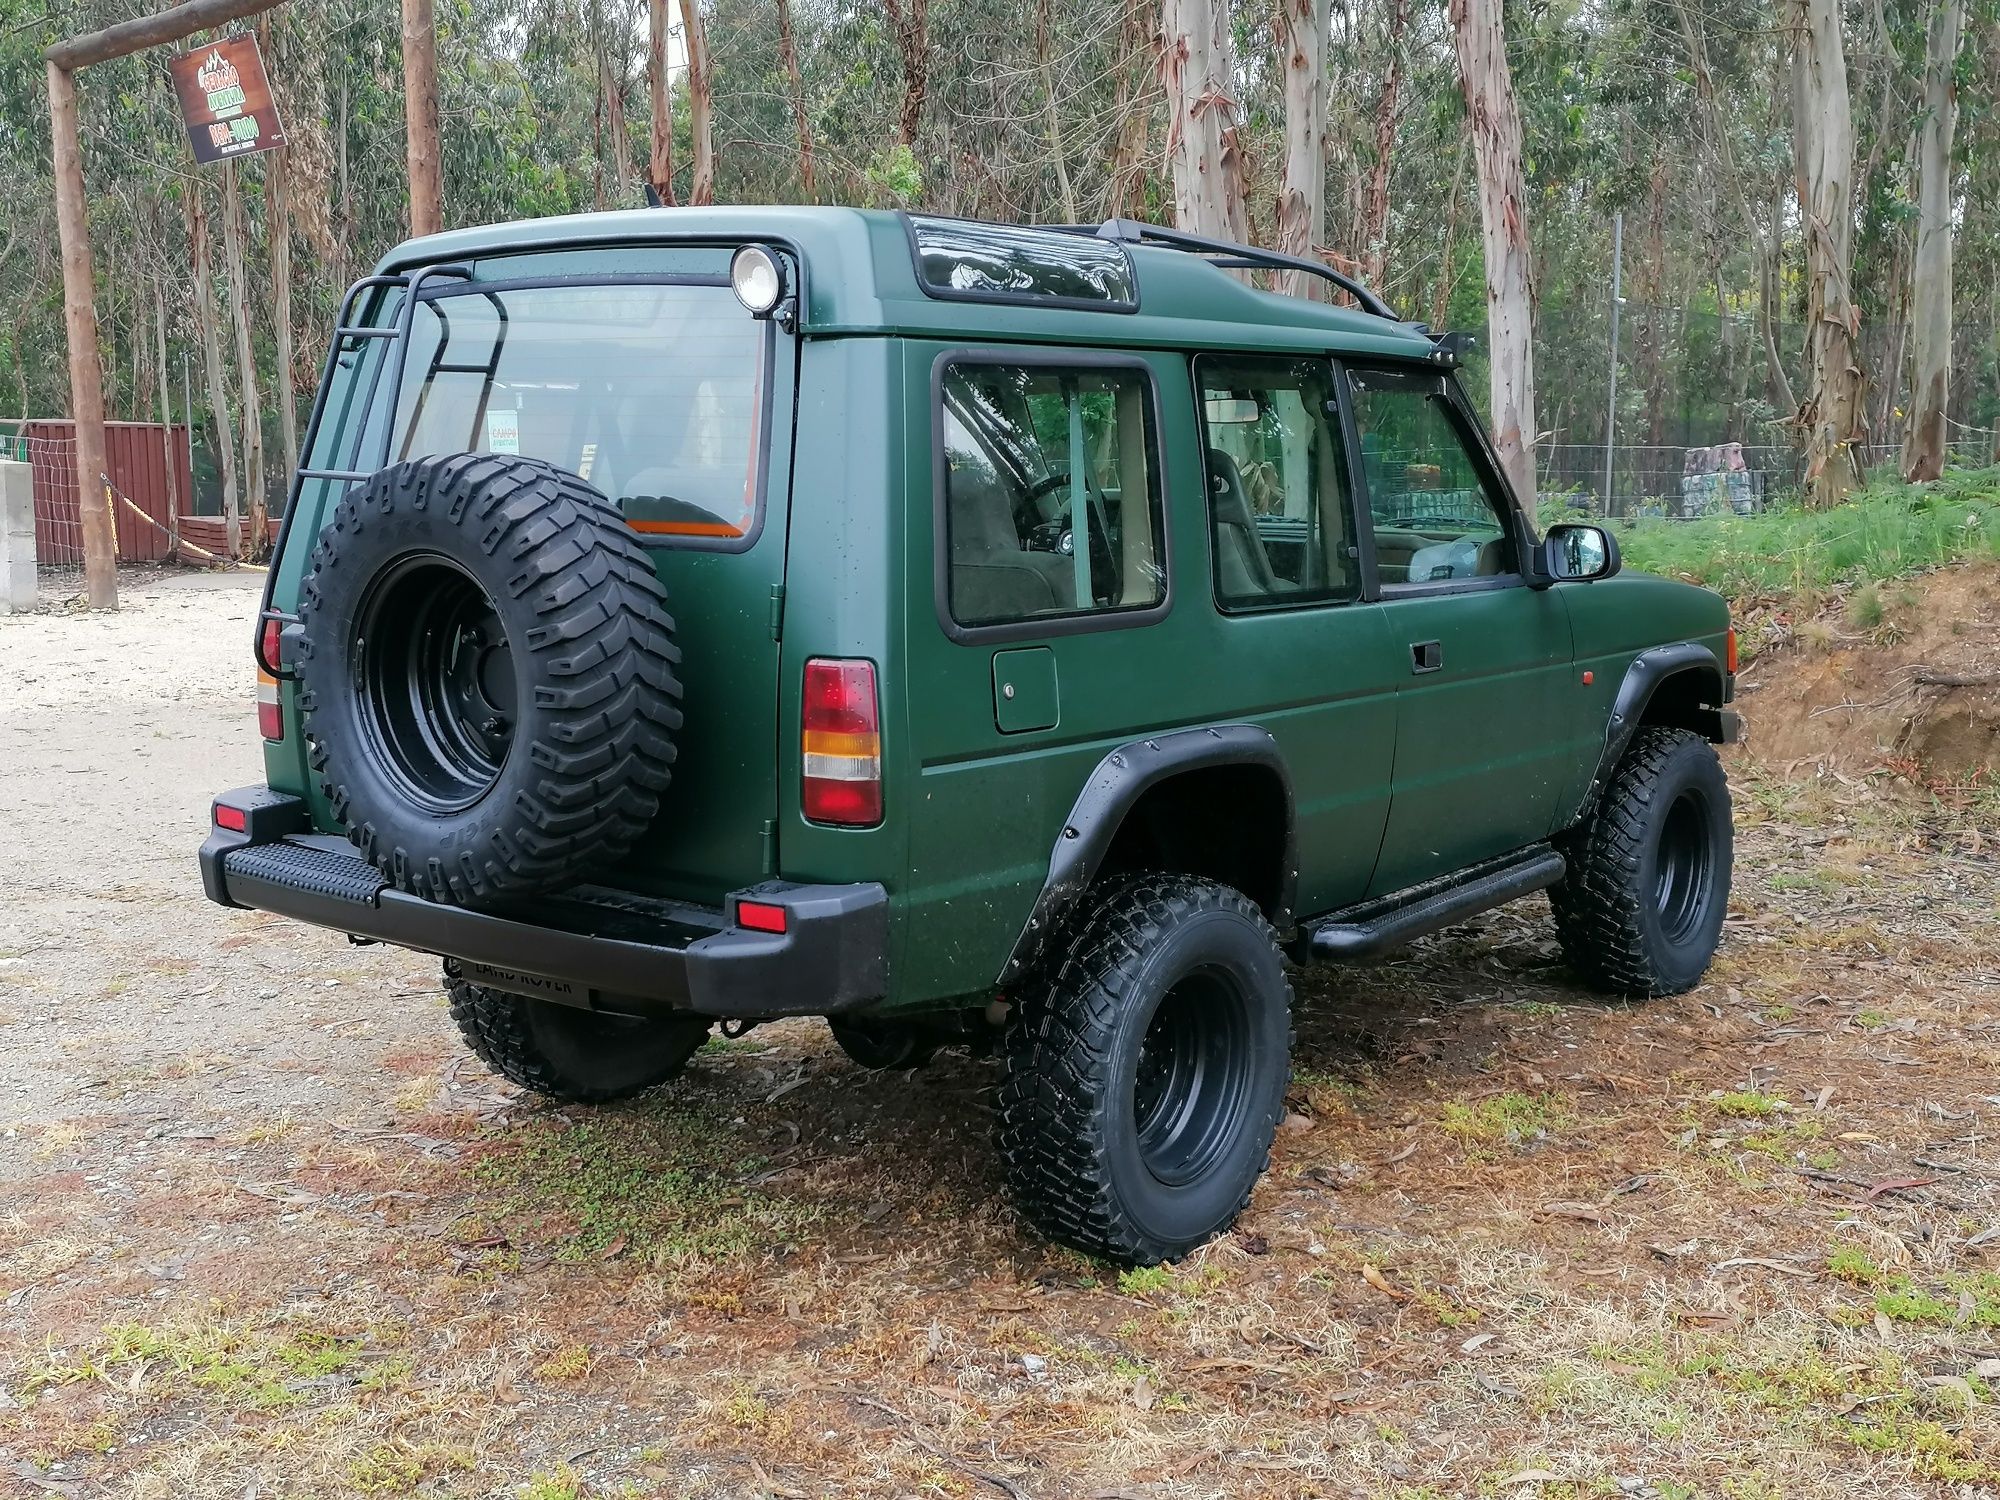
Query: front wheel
1640	911
582	1056
1144	1081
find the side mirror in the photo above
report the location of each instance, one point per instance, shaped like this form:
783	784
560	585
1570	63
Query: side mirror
1574	552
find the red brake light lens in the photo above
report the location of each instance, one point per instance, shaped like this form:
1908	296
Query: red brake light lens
842	742
270	715
232	818
760	916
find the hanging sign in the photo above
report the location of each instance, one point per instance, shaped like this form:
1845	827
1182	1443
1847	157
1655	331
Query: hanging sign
226	100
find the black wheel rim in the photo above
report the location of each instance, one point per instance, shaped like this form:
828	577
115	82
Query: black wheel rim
434	681
1684	868
1192	1087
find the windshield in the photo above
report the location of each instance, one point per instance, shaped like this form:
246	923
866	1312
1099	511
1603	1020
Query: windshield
652	392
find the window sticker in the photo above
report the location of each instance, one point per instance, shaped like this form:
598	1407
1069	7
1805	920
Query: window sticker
503	431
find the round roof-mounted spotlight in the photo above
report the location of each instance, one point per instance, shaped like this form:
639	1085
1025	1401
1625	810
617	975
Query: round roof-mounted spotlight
757	278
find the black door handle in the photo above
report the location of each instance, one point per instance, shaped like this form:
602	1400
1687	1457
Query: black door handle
1426	656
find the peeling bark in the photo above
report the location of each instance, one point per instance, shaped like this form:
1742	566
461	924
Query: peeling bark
1829	419
1301	35
1503	217
1204	143
701	103
1925	439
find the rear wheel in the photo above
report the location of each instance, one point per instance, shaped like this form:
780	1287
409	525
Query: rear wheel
1641	910
583	1056
883	1044
1146	1078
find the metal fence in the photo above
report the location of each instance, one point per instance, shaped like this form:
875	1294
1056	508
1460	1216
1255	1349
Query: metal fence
1685	484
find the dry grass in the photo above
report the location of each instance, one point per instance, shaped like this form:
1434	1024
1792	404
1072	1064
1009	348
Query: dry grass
1515	1241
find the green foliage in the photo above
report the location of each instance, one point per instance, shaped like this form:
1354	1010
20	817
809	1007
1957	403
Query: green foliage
1889	530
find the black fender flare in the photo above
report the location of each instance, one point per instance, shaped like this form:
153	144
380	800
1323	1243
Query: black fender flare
1111	791
1649	670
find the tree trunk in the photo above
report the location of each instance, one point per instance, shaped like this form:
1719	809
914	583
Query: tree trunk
1301	36
788	54
343	189
1925	439
611	89
1051	119
420	108
1138	42
1374	236
1198	67
278	208
206	325
236	263
910	20
167	417
1823	127
1503	217
700	84
660	168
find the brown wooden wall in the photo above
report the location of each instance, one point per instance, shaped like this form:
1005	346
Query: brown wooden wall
140	455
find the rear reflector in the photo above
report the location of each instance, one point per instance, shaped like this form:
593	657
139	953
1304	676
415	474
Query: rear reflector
235	819
1730	652
760	916
270	716
842	744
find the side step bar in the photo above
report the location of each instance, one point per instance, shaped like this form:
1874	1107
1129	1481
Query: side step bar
1390	921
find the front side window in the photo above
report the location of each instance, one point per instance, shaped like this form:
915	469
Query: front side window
1051	492
653	392
1277	483
1436	519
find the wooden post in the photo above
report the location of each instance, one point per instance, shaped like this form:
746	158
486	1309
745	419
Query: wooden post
420	114
86	382
86	378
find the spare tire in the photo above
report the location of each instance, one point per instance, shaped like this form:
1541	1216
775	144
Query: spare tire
486	676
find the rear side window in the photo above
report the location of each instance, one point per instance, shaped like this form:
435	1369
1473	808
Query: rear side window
1051	492
1276	467
652	391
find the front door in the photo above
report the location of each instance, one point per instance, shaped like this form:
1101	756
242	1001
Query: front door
1482	756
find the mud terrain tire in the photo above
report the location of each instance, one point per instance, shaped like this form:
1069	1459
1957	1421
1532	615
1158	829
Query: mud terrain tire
487	677
582	1056
1146	1077
1640	911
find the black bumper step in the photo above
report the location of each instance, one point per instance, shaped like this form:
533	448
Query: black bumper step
612	950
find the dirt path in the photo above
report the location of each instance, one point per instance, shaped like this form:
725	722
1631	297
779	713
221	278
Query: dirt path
265	1231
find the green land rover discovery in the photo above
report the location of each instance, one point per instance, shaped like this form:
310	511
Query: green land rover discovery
958	631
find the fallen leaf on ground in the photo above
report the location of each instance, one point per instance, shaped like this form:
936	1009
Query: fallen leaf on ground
1382	1284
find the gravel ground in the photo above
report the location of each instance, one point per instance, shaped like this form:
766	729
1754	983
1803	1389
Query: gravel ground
120	984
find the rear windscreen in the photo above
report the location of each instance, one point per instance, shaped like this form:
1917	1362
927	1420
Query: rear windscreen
651	391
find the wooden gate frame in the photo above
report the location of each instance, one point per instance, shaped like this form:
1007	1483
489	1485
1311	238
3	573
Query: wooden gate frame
86	382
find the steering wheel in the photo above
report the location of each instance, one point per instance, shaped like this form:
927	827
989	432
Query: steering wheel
1103	566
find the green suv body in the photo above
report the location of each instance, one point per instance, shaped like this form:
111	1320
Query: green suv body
955	630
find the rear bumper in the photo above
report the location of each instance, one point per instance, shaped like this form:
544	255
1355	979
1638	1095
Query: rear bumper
605	949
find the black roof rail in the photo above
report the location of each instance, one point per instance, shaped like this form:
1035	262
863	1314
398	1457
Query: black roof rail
1231	256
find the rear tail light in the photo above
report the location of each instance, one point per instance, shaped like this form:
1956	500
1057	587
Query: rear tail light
270	717
1729	652
760	916
842	739
235	819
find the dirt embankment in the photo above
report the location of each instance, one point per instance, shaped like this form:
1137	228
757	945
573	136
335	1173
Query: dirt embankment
1902	675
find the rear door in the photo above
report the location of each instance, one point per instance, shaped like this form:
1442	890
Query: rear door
1482	754
640	371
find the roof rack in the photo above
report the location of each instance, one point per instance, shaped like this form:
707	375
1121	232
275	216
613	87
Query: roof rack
1231	256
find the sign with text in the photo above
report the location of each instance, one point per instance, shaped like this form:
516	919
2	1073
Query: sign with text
226	100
